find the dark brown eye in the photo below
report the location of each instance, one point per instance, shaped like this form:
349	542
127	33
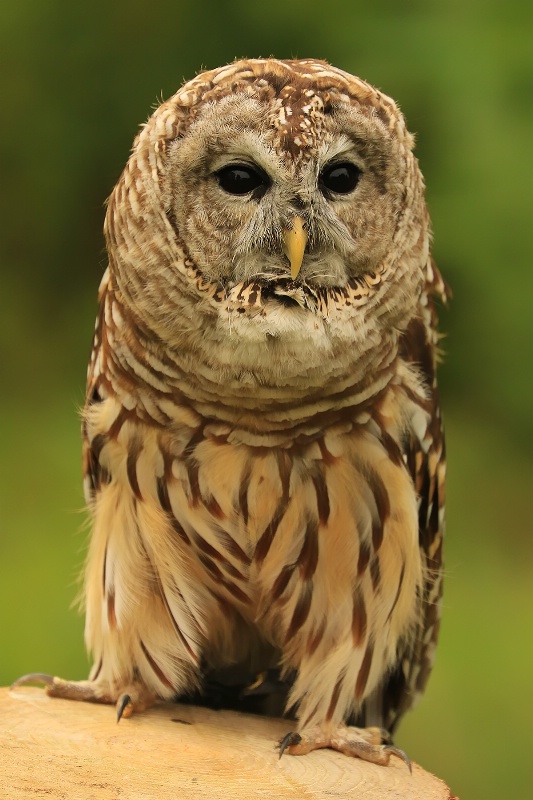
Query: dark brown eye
242	179
339	178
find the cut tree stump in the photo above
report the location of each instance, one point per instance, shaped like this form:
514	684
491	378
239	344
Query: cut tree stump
51	748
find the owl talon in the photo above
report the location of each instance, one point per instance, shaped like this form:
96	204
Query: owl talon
33	677
395	751
290	739
123	702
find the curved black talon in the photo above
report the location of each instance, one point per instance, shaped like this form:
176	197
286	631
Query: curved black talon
289	739
400	753
33	677
122	705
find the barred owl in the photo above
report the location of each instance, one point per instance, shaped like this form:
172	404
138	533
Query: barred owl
262	445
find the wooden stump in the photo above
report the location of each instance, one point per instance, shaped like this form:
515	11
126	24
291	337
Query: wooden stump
58	749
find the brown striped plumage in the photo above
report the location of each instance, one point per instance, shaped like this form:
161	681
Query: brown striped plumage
263	453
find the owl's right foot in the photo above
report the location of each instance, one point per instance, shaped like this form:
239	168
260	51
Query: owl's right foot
134	697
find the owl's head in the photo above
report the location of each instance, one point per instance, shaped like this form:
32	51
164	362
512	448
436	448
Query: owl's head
291	177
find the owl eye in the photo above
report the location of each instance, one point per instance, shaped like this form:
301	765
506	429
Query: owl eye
339	178
242	179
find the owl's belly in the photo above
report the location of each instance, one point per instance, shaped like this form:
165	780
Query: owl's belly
316	546
312	547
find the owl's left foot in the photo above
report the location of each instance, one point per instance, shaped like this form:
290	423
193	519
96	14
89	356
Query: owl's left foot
365	743
132	698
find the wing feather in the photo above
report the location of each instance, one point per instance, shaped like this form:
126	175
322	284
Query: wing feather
426	461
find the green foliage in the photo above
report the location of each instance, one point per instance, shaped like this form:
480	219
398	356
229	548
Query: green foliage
78	78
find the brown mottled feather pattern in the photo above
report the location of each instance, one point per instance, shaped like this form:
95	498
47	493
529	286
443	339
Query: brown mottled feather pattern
264	458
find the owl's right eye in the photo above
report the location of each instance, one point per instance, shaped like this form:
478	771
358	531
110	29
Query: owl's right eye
242	179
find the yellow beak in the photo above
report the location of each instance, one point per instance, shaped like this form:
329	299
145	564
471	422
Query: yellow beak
294	241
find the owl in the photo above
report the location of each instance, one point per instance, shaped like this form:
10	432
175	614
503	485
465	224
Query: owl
262	443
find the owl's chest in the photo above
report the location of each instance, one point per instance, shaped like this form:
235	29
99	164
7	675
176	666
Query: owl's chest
254	523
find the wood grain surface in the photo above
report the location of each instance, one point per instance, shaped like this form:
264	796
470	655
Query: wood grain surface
59	749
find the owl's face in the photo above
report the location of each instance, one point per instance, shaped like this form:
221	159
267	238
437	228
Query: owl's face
271	200
251	164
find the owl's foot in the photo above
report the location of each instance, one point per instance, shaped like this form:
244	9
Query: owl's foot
134	697
365	743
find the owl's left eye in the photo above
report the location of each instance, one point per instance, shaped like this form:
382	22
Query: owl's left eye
339	178
242	179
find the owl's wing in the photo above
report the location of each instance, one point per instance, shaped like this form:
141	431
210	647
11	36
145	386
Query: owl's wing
426	462
92	471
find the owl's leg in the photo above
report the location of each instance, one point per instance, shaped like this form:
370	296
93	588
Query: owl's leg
365	743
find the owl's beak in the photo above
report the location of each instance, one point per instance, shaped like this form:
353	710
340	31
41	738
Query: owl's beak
294	241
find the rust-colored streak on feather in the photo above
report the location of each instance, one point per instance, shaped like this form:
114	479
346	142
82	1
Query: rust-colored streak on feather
398	591
111	615
285	469
192	466
176	627
162	495
364	557
334	698
308	557
359	619
211	567
317	637
116	426
212	552
236	592
164	499
93	460
192	472
229	545
322	496
177	528
267	537
221	579
381	497
166	477
393	450
225	607
104	570
281	582
243	491
156	668
304	722
375	573
327	457
131	467
95	672
97	444
301	611
233	571
364	671
212	506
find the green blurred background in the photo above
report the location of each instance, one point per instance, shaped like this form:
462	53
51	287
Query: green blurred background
77	79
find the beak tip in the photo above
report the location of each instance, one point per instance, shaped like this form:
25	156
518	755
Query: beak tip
295	240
